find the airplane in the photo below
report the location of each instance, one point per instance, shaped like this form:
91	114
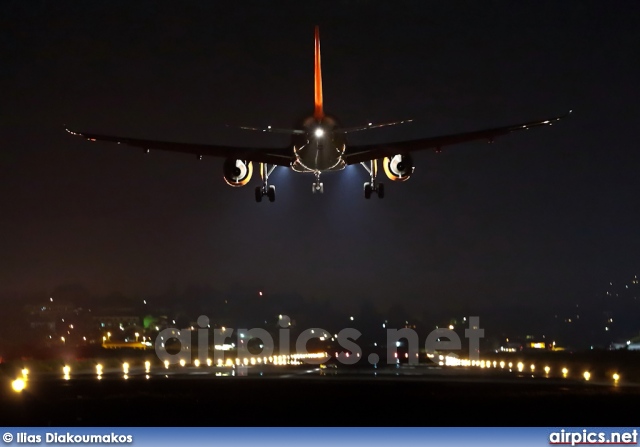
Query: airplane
319	145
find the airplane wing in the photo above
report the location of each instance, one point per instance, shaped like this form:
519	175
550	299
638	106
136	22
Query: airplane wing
358	154
277	156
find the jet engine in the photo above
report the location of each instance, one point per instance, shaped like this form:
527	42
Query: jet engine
398	168
237	172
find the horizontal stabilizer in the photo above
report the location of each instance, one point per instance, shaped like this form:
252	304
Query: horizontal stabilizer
271	129
372	126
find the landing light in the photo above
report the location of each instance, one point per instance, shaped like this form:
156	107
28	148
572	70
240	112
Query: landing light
319	132
18	385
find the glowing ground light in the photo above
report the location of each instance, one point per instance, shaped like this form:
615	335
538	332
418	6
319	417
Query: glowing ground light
501	364
125	368
182	362
586	375
209	362
616	377
166	364
565	371
520	366
18	385
147	366
99	369
547	369
533	368
25	372
196	363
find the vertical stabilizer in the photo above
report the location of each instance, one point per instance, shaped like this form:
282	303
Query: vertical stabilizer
318	113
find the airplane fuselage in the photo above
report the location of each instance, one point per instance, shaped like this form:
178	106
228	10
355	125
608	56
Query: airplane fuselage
321	148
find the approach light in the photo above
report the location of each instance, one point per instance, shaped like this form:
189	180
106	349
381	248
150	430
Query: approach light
319	132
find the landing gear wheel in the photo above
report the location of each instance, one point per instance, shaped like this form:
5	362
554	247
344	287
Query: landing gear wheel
271	193
367	190
380	190
258	194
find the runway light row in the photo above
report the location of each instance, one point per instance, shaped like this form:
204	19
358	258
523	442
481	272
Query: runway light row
455	361
19	384
275	360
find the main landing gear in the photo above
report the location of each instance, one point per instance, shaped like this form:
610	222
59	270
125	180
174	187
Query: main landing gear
265	189
317	186
372	186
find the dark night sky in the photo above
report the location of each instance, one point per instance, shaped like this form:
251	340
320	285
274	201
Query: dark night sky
540	218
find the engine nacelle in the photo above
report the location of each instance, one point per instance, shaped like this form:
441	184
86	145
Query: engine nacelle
398	168
237	172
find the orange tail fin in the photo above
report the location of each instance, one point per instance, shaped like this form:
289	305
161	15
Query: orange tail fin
318	113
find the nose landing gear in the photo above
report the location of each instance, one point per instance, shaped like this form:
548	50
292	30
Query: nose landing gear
317	186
